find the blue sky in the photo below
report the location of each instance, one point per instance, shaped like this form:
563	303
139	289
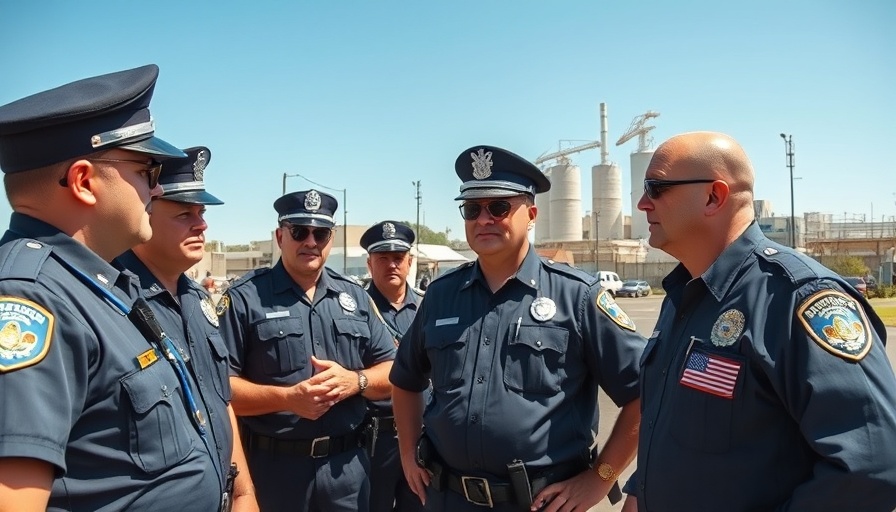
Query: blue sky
371	96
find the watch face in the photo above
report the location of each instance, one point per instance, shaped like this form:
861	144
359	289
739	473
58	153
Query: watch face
605	471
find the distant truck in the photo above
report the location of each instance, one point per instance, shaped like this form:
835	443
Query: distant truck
610	281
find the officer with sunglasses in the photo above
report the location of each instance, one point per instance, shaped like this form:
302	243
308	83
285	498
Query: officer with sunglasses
388	245
515	346
187	313
307	350
765	385
92	416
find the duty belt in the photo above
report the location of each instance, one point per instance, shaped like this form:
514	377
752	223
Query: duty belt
314	448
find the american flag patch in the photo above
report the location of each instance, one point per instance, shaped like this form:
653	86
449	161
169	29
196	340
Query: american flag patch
711	374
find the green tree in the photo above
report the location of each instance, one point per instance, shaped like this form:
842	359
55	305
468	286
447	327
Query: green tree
428	236
849	266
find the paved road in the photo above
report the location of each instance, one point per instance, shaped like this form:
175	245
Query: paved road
644	311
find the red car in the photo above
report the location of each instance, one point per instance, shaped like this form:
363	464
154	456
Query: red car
859	284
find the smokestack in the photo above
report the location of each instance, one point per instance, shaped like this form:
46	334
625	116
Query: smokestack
604	152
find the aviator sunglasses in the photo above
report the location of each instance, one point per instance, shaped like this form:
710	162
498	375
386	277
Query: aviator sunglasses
497	209
300	233
655	188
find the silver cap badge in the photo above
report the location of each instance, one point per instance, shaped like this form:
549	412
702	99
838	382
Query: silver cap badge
200	164
388	230
312	201
482	164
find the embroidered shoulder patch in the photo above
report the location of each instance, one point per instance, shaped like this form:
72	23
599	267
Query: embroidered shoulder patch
836	322
607	304
223	304
26	330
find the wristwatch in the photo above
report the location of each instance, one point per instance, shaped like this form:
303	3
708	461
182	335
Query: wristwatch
362	382
606	472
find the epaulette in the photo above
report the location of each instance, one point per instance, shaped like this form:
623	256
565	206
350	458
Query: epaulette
798	268
453	271
336	275
567	270
248	276
23	259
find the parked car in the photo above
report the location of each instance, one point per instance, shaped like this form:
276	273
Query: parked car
610	281
871	284
858	283
634	288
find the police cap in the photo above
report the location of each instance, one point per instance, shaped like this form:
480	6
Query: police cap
388	236
182	178
488	171
80	118
307	208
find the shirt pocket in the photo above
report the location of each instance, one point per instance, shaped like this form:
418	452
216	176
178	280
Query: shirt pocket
159	427
705	420
446	348
220	365
352	336
536	359
282	346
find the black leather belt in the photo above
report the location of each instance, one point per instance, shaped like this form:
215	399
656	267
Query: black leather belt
315	448
385	423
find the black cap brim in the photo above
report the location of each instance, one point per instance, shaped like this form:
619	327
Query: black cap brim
154	146
192	197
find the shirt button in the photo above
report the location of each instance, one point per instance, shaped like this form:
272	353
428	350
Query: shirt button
480	379
538	343
281	333
474	419
486	341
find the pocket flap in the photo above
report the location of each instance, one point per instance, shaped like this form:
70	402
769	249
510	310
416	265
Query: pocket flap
218	345
541	338
278	328
353	327
150	386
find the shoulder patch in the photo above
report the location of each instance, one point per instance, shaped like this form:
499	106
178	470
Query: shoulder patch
26	330
838	323
223	304
608	305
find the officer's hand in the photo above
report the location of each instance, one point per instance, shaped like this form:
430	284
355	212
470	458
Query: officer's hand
339	382
417	477
631	504
579	493
308	400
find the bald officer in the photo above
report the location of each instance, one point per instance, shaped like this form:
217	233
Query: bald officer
93	414
307	348
516	347
185	310
388	245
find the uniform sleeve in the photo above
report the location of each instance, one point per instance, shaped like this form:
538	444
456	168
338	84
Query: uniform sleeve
42	393
845	405
232	313
612	346
382	345
410	371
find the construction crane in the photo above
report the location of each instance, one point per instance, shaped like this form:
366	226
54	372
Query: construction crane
562	156
638	128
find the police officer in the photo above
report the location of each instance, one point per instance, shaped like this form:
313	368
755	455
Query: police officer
186	311
388	245
765	385
307	348
94	416
516	347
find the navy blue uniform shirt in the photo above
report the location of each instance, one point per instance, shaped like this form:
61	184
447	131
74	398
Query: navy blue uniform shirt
191	322
398	321
506	384
272	330
94	400
766	387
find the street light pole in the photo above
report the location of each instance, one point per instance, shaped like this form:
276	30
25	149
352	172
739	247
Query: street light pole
344	215
419	198
788	149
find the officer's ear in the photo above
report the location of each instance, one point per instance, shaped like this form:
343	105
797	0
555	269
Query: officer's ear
719	193
81	179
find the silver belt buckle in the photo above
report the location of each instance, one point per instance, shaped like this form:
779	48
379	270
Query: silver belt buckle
483	494
320	447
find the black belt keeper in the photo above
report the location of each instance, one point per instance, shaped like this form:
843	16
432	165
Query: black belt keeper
520	483
314	448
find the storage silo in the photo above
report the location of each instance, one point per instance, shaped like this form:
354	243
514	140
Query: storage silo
566	203
543	220
606	202
762	208
639	162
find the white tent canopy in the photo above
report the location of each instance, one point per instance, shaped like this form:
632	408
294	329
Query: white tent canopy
438	258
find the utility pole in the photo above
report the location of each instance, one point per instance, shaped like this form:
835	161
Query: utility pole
596	240
788	149
419	199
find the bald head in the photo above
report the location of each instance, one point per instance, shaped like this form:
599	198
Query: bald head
706	155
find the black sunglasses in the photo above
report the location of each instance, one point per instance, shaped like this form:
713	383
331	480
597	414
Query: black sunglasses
655	188
497	209
152	170
300	233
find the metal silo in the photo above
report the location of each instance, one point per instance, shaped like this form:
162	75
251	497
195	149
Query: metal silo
543	220
639	162
606	202
566	203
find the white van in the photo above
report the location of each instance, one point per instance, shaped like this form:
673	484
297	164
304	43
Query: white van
609	281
